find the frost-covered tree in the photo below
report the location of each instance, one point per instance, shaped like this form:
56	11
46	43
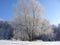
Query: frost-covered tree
47	33
56	31
29	22
5	30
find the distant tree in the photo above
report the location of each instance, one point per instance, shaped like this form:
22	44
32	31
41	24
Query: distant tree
57	32
5	30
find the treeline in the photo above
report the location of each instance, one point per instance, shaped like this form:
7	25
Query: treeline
57	32
7	32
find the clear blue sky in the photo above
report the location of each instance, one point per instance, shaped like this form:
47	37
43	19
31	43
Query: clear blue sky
6	9
52	10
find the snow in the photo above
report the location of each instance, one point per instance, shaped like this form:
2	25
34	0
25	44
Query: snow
7	42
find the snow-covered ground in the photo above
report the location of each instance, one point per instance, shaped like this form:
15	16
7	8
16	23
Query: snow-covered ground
6	42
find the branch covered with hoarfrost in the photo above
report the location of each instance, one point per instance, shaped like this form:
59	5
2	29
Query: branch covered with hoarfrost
29	23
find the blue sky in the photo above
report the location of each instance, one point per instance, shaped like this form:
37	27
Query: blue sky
6	9
52	10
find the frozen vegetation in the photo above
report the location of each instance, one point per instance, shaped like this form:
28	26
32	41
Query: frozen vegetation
28	24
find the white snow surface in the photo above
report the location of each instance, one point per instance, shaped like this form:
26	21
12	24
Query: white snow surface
9	42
